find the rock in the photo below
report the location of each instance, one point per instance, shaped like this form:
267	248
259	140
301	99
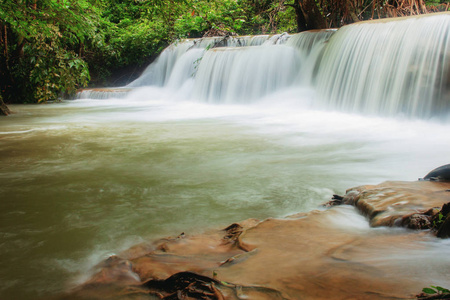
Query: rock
115	270
445	210
417	221
189	285
316	255
327	254
335	200
444	228
439	174
398	203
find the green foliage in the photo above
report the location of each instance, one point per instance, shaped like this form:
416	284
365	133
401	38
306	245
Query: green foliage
435	290
429	291
39	42
130	36
272	16
234	16
190	26
439	220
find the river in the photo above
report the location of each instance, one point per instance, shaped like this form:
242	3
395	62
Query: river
84	179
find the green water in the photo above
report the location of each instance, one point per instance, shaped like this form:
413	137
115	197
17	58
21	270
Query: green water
82	180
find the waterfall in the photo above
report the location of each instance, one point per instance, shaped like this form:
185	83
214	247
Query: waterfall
159	71
306	41
387	67
228	69
241	75
188	51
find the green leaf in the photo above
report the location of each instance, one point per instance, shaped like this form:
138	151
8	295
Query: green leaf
441	289
429	291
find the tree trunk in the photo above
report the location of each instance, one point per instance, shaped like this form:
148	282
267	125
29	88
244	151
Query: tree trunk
351	11
4	110
5	41
300	18
312	15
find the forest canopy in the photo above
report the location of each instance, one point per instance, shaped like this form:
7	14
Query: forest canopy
50	48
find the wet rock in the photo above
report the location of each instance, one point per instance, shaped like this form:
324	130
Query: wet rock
417	221
439	174
316	255
398	203
115	270
444	230
335	200
188	285
327	254
233	232
442	219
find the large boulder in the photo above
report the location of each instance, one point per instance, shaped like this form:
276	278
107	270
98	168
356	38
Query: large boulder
439	174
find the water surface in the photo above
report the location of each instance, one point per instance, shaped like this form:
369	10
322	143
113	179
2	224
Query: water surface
84	179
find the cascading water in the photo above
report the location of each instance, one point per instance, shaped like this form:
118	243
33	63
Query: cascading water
308	40
389	68
379	68
160	72
242	69
230	75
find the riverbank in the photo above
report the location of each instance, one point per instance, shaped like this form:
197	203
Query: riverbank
324	254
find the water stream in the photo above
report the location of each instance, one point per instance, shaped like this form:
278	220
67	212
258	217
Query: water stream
87	178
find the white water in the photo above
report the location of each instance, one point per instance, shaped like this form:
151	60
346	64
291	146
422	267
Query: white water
87	178
244	75
389	68
160	72
394	68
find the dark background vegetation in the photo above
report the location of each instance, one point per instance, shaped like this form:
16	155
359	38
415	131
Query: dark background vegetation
50	48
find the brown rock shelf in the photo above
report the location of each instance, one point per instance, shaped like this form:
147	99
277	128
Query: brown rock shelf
324	254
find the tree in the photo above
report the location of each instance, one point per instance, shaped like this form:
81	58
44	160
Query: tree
321	14
40	43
